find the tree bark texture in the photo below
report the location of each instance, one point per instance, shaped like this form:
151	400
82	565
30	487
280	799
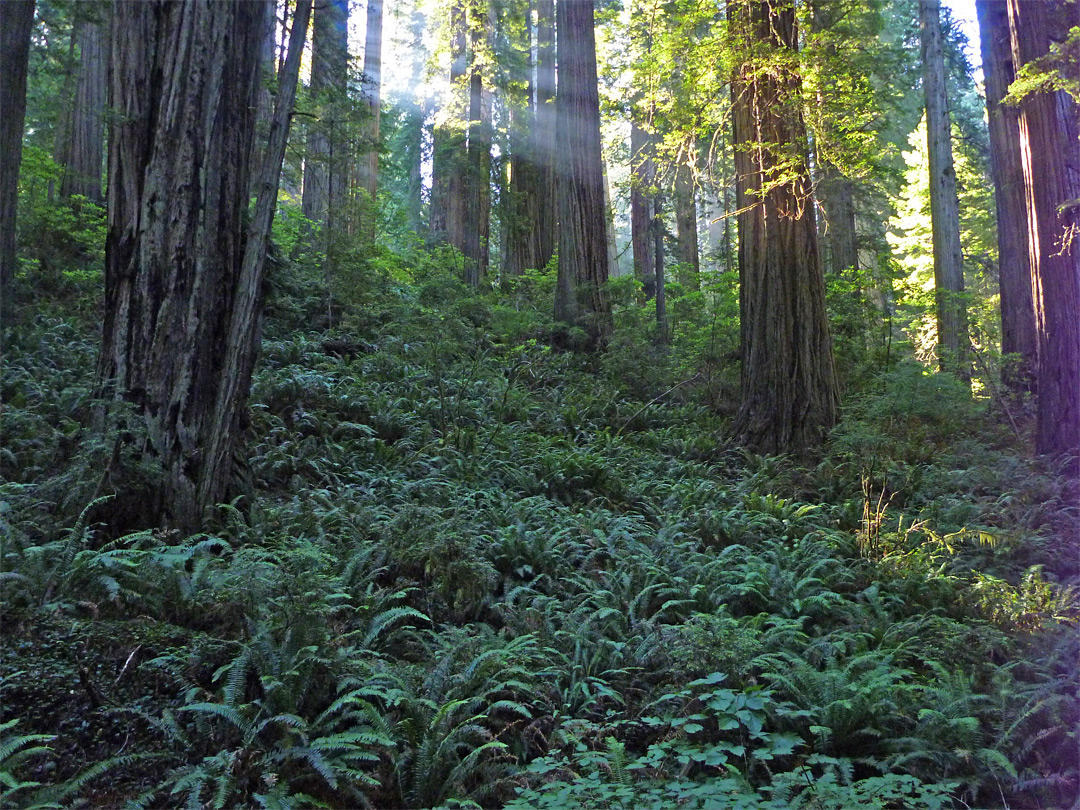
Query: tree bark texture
477	186
583	260
450	159
789	390
953	343
1014	271
326	155
183	272
839	242
368	165
1050	160
519	196
16	22
85	146
544	149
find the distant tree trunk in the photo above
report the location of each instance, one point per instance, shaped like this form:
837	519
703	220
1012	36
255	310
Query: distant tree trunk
789	391
16	23
268	71
659	279
183	272
953	343
368	168
1014	270
686	221
1051	166
609	221
453	153
839	244
544	146
326	155
642	179
86	134
476	213
519	200
583	263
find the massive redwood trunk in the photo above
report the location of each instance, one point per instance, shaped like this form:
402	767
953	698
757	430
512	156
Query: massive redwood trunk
1051	167
953	343
789	391
16	21
582	218
1014	272
183	274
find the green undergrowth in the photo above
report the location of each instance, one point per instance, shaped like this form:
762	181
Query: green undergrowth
478	572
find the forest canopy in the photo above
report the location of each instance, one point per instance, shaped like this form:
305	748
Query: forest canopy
540	404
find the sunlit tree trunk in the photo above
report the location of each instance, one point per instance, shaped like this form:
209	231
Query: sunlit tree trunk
643	179
368	165
686	221
953	343
183	268
16	22
1050	161
519	212
477	187
789	391
583	260
85	145
1014	272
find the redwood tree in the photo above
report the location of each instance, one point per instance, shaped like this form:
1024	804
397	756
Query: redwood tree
1014	273
582	217
789	390
183	269
16	21
1050	162
84	149
953	343
368	165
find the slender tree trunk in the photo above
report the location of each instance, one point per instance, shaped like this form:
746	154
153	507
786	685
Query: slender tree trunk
183	275
953	343
519	200
1050	160
1014	271
477	187
86	142
643	180
663	335
686	220
325	158
544	148
368	168
16	23
583	263
789	391
452	144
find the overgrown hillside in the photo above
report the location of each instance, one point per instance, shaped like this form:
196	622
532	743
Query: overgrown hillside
474	571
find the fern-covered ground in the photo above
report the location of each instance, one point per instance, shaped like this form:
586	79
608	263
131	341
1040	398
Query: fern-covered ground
480	573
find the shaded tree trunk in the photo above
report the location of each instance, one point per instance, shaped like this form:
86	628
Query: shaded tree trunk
1050	161
476	212
544	148
1014	271
16	22
789	390
450	143
839	243
183	273
85	145
326	155
583	261
368	166
953	343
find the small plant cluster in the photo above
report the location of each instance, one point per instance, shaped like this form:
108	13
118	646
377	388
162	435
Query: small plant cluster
478	572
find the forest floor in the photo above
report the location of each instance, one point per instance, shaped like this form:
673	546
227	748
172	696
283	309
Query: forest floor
478	572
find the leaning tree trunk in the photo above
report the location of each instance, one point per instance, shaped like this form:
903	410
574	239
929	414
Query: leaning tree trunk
1051	166
16	22
1014	273
953	343
789	391
583	260
85	145
183	271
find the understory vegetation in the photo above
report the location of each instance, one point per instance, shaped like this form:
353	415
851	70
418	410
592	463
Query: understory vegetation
473	571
